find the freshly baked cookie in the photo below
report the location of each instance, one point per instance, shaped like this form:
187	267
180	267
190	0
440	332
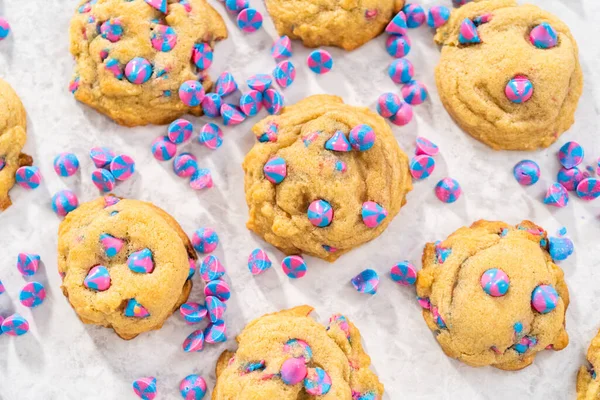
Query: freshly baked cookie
509	75
13	125
124	264
287	355
588	383
133	58
343	23
493	296
324	178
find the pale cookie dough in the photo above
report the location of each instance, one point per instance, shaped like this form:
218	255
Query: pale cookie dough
588	384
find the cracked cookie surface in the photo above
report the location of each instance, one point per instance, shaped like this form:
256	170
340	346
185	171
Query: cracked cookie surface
501	330
472	78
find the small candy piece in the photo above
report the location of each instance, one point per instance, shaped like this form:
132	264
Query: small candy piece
101	156
338	142
231	115
284	73
160	5
28	263
180	131
275	170
426	146
192	387
110	201
438	16
211	269
202	55
398	46
282	48
467	33
32	294
422	166
74	84
482	19
193	312
249	20
194	342
122	167
28	177
191	93
15	325
260	82
495	282
216	309
519	89
560	248
138	70
317	382
366	282
404	273
373	214
320	213
103	180
66	164
2	290
145	387
235	6
588	189
320	61
570	178
401	71
258	262
211	136
414	92
141	261
97	279
163	149
293	371
217	288
135	309
294	266
388	104
205	240
527	172
251	103
63	202
273	101
225	84
211	105
448	190
556	196
4	28
112	30
570	154
111	244
362	137
543	36
114	66
544	299
403	116
215	333
299	349
397	25
415	15
185	165
201	179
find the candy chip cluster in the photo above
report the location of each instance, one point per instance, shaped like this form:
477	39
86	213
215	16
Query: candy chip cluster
110	168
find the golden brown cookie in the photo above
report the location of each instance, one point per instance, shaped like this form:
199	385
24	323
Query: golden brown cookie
493	296
106	35
343	23
353	183
588	384
124	264
472	78
13	134
287	355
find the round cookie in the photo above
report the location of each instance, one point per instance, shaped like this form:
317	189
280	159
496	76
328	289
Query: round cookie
13	134
320	149
131	59
588	382
287	355
332	22
480	290
473	78
143	251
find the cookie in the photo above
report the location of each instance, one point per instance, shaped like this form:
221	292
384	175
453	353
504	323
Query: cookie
588	383
287	355
124	264
493	296
13	134
332	22
323	149
498	81
132	59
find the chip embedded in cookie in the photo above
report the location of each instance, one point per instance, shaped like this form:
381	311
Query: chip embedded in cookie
493	295
324	177
588	381
509	74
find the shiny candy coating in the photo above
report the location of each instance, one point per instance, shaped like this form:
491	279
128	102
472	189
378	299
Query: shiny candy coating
193	313
320	61
401	71
66	164
388	104
205	240
101	156
103	180
275	170
15	325
338	142
219	289
544	299
160	5
404	273
273	101
258	262
448	190
211	268
232	115
560	248
362	137
519	89
111	244
414	92
163	149
32	294
98	279
284	73
251	103
543	36
192	387
114	67
422	166
366	282
415	15
145	387
426	146
2	290
467	33
163	38
556	196
135	309
373	214
211	136
526	172
215	333
398	46
141	261
202	55
495	282
225	84
437	16
63	202
570	178
112	30
194	342
28	263
211	105
571	154
185	165
138	70
403	116
293	371
235	6
397	25
4	28
28	177
201	179
180	131
317	382
249	20
282	48
588	189
216	309
122	167
260	82
294	266
191	93
320	213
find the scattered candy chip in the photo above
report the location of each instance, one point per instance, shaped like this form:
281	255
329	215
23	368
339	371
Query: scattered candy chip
211	136
448	190
201	179
103	180
403	116
235	6
251	103
192	387
202	55
560	248
544	299
260	82
388	104
415	15
317	382
145	387
495	282
97	279
282	48
414	92
138	70
401	71
194	342
404	273
184	165
163	149
526	172
366	282
211	105
28	177
32	294
225	84
570	178
258	262
135	309
232	115
193	313
426	146
4	28
362	137
28	263
398	46
211	269
338	142
320	61
2	290
397	25
438	16
570	155
519	89
373	214
218	288
66	164
294	266
216	309
320	213
293	371
275	170
421	166
205	240
101	156
467	33
191	93
122	167
215	333
589	189
15	325
284	73
63	202
249	20
273	101
180	131
543	36
556	196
